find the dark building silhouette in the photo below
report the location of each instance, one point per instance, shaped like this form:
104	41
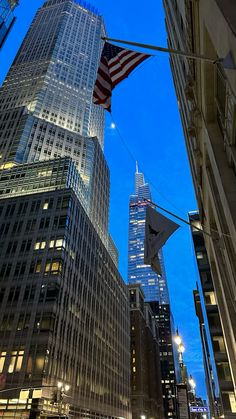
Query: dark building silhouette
146	389
216	363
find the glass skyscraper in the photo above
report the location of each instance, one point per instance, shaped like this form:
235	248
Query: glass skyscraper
7	18
154	286
64	308
155	290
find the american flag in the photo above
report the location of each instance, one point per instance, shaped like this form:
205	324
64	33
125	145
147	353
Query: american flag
115	65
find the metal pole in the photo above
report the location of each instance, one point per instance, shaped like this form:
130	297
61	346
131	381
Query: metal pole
172	51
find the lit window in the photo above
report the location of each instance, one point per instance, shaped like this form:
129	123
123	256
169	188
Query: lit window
51	244
16	361
134	369
2	360
47	267
38	267
45	205
19	361
232	401
59	243
200	255
210	298
43	173
40	245
133	360
12	362
56	267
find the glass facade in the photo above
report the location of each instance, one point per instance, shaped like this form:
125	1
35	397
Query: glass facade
46	100
154	286
64	308
6	18
54	71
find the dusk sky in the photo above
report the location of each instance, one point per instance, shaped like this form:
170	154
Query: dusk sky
145	111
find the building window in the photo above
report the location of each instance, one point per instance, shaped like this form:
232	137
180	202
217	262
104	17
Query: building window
223	371
229	401
210	298
218	344
2	360
40	245
58	243
53	267
37	267
16	361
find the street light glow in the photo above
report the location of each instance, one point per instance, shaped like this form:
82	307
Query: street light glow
177	339
67	387
113	125
59	384
192	382
181	348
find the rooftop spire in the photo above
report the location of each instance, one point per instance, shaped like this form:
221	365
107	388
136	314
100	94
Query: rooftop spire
136	166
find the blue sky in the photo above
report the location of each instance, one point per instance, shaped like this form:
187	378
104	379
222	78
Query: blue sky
145	110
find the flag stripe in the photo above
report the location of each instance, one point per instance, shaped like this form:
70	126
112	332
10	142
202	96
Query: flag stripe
116	64
122	62
119	57
129	66
129	70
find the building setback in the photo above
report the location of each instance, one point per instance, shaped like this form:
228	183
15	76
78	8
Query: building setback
64	308
207	99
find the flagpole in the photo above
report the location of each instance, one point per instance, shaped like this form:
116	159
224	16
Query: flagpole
172	51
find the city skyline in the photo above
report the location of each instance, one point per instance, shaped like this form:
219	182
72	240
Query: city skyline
178	191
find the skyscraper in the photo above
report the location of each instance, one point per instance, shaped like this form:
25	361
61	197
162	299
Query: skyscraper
7	18
154	286
206	94
155	290
64	308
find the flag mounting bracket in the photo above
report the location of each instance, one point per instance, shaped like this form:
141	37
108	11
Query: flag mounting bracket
227	62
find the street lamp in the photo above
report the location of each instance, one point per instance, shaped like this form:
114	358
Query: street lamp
67	387
181	348
192	383
62	389
177	338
